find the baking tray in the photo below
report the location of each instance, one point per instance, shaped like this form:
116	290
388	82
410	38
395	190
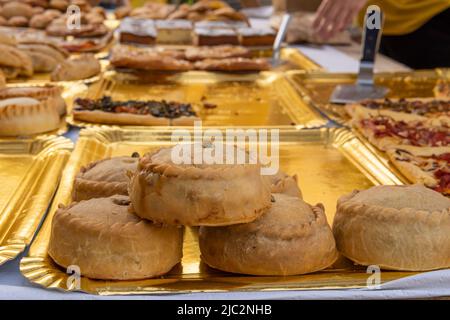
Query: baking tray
29	173
316	87
264	99
330	162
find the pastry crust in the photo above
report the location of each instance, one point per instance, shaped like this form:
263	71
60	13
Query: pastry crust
105	241
37	92
27	116
97	116
103	178
147	59
82	67
284	183
292	237
194	195
216	52
395	227
233	64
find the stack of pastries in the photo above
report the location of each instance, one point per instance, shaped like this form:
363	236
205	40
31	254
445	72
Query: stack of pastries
129	213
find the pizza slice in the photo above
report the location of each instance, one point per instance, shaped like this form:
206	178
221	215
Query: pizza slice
133	112
385	128
425	165
428	107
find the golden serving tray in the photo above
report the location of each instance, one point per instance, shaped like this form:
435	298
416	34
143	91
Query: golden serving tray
29	173
264	99
316	87
329	163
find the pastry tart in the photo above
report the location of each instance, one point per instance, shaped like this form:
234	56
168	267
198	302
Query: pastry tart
292	237
104	178
39	93
197	194
26	116
105	241
395	227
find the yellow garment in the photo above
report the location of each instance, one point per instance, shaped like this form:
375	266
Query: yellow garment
405	16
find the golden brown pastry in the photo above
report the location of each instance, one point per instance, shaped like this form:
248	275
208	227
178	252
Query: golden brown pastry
283	183
233	64
39	93
104	178
7	39
18	21
82	67
40	21
105	241
394	227
197	194
216	52
292	237
27	116
2	80
147	59
16	9
41	62
13	57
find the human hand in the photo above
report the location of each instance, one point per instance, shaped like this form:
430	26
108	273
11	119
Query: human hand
333	16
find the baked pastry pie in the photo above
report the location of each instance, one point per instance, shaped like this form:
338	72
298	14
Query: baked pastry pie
107	242
14	58
283	183
45	55
425	165
394	227
104	178
133	112
148	59
37	92
292	237
197	194
216	52
26	116
83	67
233	64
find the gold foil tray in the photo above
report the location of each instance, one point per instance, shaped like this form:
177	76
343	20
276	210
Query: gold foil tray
29	174
316	87
329	163
265	99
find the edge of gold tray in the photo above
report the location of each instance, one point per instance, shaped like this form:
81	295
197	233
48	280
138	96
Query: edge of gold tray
316	87
192	275
33	181
300	114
